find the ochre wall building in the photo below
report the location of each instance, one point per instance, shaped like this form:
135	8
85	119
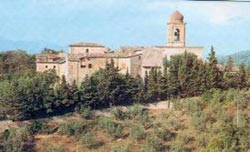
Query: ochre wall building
85	58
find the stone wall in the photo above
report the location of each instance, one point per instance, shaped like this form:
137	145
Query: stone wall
87	50
58	67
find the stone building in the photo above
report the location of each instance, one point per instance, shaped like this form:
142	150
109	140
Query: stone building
85	58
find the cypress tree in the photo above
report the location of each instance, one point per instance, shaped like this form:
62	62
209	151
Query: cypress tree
230	76
134	89
162	86
145	86
214	76
242	76
174	84
152	85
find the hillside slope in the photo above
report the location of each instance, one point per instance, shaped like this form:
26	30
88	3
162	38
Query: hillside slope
239	57
209	123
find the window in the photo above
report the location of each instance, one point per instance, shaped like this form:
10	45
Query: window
139	57
83	66
54	67
90	66
46	66
87	50
176	35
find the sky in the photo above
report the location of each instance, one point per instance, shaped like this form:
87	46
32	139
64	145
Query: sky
115	23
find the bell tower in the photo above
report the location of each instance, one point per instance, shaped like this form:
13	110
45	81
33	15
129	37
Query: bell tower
176	30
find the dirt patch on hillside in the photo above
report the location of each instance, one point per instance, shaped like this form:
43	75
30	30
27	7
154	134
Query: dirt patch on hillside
159	105
46	142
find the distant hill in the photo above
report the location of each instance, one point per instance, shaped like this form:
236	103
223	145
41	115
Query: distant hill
239	57
29	46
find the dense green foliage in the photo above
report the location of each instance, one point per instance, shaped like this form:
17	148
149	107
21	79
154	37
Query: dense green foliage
14	63
27	95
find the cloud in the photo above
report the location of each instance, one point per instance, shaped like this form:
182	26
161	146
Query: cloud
219	13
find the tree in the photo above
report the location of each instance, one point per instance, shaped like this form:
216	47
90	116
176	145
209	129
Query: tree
162	85
230	77
89	92
214	76
174	83
242	76
152	91
24	98
134	89
105	87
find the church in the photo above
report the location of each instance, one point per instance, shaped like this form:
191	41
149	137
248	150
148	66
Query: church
85	58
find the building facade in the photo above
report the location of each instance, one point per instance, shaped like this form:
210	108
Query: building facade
85	58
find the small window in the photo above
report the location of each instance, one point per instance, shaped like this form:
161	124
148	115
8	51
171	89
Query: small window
54	67
139	57
83	66
90	66
87	50
46	66
176	35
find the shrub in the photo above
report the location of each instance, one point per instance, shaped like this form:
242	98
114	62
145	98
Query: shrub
55	148
137	132
72	128
119	114
202	139
194	105
153	144
199	120
164	134
15	139
40	127
89	140
185	138
174	124
84	111
179	145
138	113
135	110
120	149
112	128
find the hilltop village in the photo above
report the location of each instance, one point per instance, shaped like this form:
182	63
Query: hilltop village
85	58
133	99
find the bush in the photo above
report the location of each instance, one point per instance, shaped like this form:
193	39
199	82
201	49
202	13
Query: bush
181	142
119	114
194	105
120	149
177	147
137	132
112	128
55	148
14	140
36	127
199	120
153	144
164	134
72	128
174	124
89	140
138	113
84	111
202	139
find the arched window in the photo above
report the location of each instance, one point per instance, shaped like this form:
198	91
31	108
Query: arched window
176	35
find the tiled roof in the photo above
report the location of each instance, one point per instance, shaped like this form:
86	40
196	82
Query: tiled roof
77	57
86	44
